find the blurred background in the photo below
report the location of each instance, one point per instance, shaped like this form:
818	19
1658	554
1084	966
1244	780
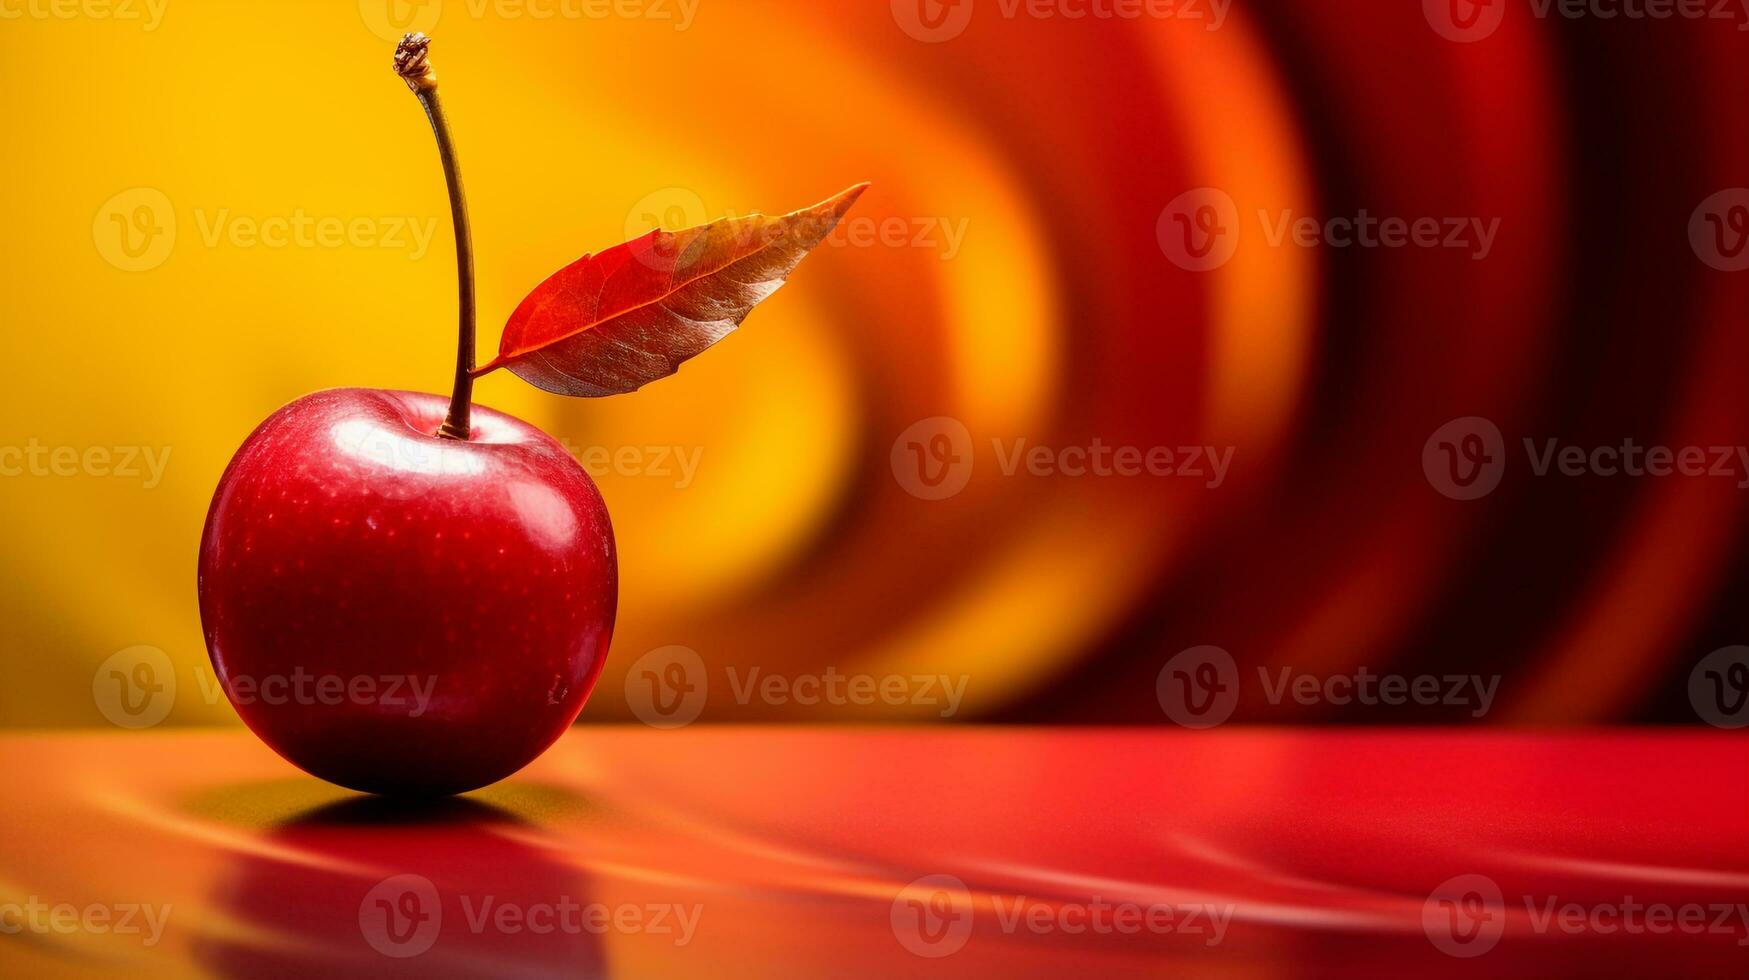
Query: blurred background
1253	330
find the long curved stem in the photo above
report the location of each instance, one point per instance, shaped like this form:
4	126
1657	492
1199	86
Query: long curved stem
412	65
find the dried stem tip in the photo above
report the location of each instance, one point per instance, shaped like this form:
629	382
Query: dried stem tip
412	62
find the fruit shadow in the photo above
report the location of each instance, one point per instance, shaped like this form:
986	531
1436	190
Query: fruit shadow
337	884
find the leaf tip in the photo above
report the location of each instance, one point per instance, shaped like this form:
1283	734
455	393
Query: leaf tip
848	196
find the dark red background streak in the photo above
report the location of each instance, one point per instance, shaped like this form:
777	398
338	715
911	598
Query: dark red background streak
1592	321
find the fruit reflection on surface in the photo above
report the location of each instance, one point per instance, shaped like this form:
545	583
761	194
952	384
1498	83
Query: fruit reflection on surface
404	888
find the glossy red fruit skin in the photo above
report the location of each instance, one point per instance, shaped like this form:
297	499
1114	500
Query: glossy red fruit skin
346	540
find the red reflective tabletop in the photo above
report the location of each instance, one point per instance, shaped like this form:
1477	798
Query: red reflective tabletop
774	852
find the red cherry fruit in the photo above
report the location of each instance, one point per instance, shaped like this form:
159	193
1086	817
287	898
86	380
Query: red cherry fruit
400	612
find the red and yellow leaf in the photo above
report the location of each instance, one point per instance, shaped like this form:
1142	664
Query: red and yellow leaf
613	322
